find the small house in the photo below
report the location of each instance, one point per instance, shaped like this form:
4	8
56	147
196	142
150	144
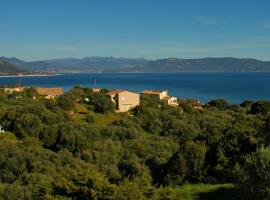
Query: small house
124	100
171	101
162	95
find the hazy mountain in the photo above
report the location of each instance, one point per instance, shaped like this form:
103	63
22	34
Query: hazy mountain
9	69
103	62
208	64
35	66
13	60
112	64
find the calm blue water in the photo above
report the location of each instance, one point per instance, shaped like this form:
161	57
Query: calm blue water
234	87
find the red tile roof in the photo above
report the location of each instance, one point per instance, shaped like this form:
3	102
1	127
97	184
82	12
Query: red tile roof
151	92
113	92
50	91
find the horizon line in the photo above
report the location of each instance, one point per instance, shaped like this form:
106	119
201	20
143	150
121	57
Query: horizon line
134	58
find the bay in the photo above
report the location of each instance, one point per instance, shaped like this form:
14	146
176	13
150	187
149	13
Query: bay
204	86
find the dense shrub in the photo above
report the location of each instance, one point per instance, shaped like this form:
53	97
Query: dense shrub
255	177
219	103
77	147
260	107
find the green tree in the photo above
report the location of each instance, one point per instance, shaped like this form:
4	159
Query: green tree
100	101
255	177
260	107
67	101
219	103
186	164
176	170
83	184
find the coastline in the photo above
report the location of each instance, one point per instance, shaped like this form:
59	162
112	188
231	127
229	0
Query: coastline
28	75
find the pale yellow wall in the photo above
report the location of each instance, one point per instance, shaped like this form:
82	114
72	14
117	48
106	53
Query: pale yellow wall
128	100
173	101
163	94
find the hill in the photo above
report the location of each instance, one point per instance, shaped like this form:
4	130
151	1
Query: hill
112	64
9	69
226	64
35	66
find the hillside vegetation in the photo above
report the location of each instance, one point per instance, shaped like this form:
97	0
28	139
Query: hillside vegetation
72	149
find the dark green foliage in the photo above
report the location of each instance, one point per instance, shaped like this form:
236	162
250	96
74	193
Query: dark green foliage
186	164
76	147
260	107
29	92
176	170
89	118
100	101
255	176
67	101
266	130
2	95
246	104
219	103
123	130
82	183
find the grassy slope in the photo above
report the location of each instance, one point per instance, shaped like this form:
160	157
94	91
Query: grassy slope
101	120
207	192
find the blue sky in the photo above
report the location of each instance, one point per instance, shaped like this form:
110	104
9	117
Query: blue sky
42	29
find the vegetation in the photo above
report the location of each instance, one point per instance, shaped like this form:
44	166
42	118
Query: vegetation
255	177
76	147
207	192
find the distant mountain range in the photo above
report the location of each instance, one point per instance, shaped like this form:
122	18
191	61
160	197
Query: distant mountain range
9	69
227	64
112	64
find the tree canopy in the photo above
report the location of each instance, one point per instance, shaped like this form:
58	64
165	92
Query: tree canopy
77	147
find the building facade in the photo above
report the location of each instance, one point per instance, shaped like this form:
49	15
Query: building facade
171	101
124	100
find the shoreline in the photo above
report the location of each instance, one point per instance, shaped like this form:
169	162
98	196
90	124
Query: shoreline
29	75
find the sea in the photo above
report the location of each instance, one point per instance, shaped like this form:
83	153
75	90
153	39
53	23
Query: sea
204	86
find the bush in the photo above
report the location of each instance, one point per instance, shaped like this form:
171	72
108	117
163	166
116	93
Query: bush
260	107
219	103
100	102
67	101
89	118
255	177
186	164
